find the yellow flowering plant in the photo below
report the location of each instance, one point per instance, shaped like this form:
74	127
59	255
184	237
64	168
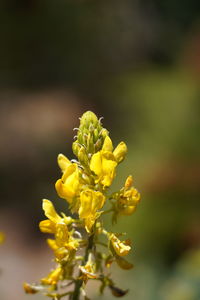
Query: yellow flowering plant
77	239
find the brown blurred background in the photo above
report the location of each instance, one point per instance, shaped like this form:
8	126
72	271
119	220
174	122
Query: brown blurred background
137	63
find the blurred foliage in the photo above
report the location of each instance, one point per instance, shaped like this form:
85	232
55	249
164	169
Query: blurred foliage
82	42
137	63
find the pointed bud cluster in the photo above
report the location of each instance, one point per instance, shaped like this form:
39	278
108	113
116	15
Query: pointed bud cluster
90	137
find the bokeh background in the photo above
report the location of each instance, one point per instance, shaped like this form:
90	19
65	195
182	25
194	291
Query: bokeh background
137	63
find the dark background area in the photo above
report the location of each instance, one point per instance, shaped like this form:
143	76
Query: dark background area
137	63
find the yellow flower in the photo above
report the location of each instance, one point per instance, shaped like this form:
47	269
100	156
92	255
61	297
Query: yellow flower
69	185
120	152
128	198
88	271
30	289
104	162
121	247
64	241
49	225
90	202
53	277
63	162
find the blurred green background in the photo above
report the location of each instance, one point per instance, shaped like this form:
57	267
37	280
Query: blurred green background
137	63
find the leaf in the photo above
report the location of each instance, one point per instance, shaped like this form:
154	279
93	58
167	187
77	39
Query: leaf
109	260
124	264
117	292
102	287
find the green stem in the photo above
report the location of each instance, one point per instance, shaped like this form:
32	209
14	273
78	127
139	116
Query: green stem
79	282
107	211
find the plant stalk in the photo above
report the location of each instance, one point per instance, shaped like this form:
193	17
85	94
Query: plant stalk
79	282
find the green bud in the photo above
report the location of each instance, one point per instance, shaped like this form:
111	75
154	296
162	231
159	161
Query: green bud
75	148
91	128
96	135
91	134
104	133
82	156
89	118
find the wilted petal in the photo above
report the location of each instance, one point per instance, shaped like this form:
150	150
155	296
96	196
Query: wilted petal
120	247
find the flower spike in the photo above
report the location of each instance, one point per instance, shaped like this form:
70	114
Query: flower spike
76	241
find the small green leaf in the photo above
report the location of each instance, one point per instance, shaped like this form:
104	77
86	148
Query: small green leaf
117	292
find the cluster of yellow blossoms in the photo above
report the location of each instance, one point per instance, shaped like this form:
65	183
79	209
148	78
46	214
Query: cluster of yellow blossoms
77	244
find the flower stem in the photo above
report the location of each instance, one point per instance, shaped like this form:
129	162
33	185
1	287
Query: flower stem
79	282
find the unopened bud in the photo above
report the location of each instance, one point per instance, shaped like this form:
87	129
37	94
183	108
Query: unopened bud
120	152
87	118
104	133
75	148
82	156
129	182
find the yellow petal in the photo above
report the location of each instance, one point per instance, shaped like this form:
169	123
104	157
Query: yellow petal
89	222
64	191
73	244
52	244
53	277
85	270
127	211
98	201
108	168
69	184
120	152
72	180
62	234
86	198
129	182
47	226
30	289
107	145
50	212
61	253
120	247
90	202
96	163
71	169
63	162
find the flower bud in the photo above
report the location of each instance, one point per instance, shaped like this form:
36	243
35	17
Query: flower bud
91	134
120	152
82	156
87	118
129	182
75	148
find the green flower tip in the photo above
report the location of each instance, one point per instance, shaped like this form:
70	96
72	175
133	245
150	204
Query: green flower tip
89	118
